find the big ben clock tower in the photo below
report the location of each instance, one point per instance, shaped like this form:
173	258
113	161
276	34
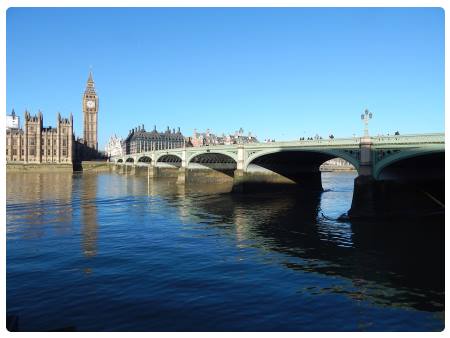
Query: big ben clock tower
90	110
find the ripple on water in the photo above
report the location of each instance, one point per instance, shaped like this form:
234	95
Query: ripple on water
108	252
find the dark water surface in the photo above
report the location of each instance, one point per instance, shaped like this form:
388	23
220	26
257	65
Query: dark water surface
104	252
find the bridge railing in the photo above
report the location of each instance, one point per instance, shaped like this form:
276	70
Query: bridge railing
316	142
411	138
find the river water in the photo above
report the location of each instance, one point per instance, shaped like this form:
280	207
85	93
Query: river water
106	252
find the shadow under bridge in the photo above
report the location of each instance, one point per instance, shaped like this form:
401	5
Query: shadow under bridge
168	161
411	183
212	167
297	169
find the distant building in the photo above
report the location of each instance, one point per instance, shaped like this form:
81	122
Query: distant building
12	121
114	147
38	144
188	141
336	164
207	138
240	138
139	140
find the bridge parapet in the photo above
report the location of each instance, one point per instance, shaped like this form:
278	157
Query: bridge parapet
417	139
337	142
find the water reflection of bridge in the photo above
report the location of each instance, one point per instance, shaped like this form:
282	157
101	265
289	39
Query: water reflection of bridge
375	261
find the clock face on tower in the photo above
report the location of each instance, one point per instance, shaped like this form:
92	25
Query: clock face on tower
90	104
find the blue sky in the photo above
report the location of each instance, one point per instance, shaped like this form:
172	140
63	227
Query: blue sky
281	73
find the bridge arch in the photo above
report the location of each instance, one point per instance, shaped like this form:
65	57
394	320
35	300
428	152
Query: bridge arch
169	160
212	155
217	167
145	159
213	158
119	160
292	168
396	158
350	155
130	160
406	182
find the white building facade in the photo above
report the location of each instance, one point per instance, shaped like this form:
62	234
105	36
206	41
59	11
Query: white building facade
207	138
114	146
12	121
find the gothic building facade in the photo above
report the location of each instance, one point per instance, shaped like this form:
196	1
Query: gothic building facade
35	143
38	144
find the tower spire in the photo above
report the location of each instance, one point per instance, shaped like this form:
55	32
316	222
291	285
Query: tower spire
90	87
90	80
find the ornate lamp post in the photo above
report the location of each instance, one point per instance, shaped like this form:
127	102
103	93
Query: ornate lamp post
365	118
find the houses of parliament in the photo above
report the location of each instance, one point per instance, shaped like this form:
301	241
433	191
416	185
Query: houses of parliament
36	144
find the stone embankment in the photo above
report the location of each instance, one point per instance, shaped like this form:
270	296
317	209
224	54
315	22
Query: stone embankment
337	168
41	167
96	166
85	166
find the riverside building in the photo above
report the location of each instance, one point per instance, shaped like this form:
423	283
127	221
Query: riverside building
114	146
139	140
38	144
208	139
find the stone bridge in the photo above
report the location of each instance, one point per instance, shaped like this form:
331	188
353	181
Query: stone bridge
395	173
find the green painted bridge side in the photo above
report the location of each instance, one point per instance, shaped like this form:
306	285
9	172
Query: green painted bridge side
385	150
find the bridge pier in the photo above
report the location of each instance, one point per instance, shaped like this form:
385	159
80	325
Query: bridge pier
364	198
182	175
140	170
388	198
131	170
152	171
411	190
364	186
239	181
